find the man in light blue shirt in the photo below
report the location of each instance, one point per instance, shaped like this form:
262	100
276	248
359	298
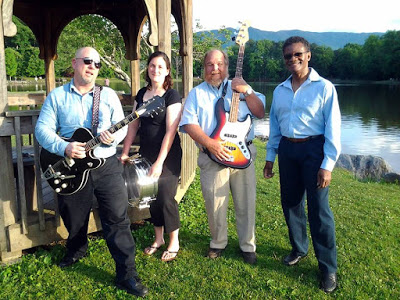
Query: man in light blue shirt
66	109
218	180
305	133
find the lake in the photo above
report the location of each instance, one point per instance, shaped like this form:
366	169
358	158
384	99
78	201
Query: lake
370	116
370	119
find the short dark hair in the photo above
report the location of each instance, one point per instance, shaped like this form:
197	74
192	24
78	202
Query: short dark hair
294	40
168	83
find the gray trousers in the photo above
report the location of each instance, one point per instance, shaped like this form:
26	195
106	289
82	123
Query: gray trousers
216	183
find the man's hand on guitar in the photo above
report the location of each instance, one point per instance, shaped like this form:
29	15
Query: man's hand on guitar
106	137
239	85
76	150
219	151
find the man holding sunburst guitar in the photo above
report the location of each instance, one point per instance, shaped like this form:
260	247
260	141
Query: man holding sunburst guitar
218	116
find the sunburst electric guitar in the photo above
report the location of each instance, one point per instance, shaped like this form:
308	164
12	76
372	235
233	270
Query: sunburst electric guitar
230	132
68	175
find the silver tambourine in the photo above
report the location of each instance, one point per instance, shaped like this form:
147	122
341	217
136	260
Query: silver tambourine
142	189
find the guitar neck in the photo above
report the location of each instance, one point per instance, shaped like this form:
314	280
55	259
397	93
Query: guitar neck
96	140
233	113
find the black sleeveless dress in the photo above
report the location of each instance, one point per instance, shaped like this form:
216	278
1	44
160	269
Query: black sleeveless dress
164	210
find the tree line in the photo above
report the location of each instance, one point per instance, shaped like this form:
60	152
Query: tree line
377	59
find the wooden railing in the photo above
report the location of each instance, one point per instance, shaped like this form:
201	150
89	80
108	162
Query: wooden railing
32	191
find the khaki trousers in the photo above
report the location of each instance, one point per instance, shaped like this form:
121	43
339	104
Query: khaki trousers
216	183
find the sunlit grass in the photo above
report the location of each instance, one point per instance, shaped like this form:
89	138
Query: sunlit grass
367	219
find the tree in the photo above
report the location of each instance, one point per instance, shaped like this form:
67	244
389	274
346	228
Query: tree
346	62
391	49
11	57
204	41
321	59
371	59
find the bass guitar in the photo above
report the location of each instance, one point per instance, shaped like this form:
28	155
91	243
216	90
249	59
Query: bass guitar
68	175
230	132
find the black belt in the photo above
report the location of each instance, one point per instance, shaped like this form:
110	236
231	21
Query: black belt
301	140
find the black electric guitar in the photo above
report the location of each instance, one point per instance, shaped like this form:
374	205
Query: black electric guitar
230	132
69	175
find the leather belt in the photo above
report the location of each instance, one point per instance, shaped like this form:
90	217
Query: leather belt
301	140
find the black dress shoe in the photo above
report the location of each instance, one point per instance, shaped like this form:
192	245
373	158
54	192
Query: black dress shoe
293	259
329	282
69	260
133	286
249	257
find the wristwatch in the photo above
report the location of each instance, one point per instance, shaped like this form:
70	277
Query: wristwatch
248	92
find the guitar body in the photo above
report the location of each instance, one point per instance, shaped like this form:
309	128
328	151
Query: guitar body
232	135
68	175
65	175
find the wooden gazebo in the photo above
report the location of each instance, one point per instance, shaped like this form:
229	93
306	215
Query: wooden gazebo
25	219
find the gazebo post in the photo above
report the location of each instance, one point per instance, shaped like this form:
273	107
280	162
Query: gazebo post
8	209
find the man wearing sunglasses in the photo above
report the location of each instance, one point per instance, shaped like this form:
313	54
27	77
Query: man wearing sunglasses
66	109
305	133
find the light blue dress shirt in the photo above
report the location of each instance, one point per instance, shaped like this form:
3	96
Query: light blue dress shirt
312	110
66	110
200	104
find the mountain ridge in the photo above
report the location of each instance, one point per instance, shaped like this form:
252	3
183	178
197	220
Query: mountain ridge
334	40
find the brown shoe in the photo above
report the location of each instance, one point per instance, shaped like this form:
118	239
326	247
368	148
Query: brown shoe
214	253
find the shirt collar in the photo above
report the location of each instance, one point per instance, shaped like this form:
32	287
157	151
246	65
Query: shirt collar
72	88
313	76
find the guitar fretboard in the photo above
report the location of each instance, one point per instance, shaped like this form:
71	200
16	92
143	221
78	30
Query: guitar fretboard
233	113
96	141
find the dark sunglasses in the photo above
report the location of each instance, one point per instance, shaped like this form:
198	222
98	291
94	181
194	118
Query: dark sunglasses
89	61
297	55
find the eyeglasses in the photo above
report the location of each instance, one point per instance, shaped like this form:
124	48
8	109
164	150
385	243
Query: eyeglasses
297	55
89	61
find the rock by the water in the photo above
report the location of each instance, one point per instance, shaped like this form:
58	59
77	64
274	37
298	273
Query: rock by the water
364	166
392	178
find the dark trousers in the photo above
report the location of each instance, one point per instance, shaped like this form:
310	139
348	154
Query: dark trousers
107	184
164	210
299	164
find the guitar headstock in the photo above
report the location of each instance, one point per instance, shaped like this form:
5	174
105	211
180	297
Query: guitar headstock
151	107
243	35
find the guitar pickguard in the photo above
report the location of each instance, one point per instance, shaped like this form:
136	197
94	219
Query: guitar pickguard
233	136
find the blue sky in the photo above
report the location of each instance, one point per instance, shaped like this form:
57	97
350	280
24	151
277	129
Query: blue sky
307	15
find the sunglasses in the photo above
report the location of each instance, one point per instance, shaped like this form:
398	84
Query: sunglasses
89	61
297	55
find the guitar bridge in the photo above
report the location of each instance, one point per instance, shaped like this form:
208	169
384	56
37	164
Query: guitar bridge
49	173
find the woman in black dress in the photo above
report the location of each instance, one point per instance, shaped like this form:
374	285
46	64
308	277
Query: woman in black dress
160	144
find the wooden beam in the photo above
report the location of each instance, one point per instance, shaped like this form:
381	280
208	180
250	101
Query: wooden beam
164	26
7	187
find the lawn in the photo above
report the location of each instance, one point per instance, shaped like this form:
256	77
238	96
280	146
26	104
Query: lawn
367	219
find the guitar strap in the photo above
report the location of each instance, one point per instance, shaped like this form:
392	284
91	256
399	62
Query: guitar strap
224	90
95	109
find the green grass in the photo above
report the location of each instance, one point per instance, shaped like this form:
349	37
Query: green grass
367	219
